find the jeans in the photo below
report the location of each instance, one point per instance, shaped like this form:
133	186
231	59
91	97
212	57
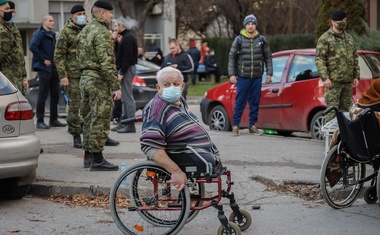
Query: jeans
48	82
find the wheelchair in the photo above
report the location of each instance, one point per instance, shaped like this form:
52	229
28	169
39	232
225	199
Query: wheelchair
143	200
343	171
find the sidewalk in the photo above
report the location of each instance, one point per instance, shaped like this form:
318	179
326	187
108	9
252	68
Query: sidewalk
277	158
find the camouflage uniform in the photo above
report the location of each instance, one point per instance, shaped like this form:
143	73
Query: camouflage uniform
12	63
337	59
96	59
67	66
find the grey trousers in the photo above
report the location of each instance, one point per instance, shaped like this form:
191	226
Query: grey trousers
127	100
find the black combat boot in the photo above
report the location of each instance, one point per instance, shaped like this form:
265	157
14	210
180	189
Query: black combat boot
77	142
87	159
111	142
101	164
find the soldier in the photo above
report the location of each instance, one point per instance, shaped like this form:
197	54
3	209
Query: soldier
337	63
12	63
96	59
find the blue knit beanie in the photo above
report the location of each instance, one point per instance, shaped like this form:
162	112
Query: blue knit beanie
250	18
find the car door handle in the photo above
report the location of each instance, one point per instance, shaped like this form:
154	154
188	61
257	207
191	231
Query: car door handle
275	90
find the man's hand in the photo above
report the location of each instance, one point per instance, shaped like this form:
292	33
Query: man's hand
47	63
64	81
355	82
268	79
117	95
179	179
25	83
120	77
174	65
327	83
233	79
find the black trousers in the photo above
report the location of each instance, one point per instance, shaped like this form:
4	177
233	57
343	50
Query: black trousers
48	83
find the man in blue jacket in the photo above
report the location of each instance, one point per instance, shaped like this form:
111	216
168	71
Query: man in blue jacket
42	45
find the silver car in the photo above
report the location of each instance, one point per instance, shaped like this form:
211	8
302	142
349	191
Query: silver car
19	146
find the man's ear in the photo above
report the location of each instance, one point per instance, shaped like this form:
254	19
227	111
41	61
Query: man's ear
158	87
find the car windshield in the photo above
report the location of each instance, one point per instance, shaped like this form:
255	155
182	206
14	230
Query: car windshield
5	86
369	63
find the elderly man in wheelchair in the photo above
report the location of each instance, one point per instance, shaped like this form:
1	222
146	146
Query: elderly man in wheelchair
168	189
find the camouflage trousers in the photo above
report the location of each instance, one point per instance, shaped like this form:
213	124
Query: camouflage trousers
74	118
338	95
96	107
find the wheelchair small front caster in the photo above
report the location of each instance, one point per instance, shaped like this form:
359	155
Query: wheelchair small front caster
245	222
370	195
234	229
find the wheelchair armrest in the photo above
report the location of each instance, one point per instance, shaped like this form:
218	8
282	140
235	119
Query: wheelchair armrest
329	109
176	146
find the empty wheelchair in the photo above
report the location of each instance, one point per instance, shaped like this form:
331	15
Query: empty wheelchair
343	172
143	200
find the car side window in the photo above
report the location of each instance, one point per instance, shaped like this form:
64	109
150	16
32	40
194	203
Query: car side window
369	66
302	68
278	69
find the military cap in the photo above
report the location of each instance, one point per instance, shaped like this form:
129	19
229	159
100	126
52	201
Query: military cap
103	4
77	8
11	5
2	2
338	15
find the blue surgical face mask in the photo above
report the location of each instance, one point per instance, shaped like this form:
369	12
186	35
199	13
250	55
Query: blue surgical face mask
81	20
171	94
11	20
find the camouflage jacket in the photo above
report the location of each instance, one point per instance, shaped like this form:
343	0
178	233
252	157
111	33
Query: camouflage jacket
95	54
248	55
65	51
337	58
12	63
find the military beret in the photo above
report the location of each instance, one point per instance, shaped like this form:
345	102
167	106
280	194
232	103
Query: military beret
103	4
338	15
2	2
77	8
11	5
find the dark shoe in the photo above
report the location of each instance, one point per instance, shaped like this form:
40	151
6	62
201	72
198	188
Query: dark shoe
111	142
87	159
42	125
77	142
127	129
103	166
118	127
57	123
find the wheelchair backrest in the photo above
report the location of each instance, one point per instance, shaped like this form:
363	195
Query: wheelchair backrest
360	136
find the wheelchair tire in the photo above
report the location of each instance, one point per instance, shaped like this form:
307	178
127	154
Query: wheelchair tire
378	187
235	230
246	221
201	192
340	186
370	196
142	201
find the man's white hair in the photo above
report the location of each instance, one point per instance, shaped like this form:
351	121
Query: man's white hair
161	73
127	22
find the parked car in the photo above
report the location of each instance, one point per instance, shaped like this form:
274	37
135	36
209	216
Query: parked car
293	102
19	146
144	87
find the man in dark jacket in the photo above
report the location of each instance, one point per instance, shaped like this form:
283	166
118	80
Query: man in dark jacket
195	54
43	45
179	59
126	60
249	52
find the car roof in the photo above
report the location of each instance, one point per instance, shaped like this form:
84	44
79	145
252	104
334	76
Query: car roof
311	51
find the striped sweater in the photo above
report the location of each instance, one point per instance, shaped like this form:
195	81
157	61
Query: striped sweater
165	123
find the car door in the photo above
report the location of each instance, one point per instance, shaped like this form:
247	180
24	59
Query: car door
270	114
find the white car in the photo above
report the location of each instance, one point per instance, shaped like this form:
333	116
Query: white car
19	146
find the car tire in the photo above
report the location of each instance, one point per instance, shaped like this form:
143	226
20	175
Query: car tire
11	190
316	126
218	119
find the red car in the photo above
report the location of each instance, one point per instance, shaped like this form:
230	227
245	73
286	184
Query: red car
293	102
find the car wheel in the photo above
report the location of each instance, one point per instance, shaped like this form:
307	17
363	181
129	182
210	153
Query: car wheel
218	119
11	190
316	126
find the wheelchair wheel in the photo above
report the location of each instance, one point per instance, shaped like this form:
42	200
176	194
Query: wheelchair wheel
197	191
245	222
370	196
340	177
234	229
378	187
142	201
